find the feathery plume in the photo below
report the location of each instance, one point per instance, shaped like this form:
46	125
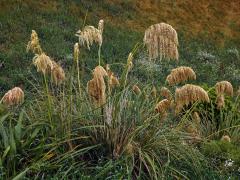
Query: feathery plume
89	35
220	101
43	63
166	93
76	52
96	87
161	40
189	94
136	89
58	73
13	97
113	80
196	118
101	26
163	106
224	87
226	138
180	74
33	44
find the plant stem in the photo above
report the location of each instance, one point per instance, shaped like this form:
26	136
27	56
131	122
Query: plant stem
49	100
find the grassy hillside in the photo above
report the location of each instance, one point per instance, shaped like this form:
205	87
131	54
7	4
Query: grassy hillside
208	27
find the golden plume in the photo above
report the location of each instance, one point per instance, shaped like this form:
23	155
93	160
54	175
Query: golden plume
224	87
166	93
189	94
180	74
196	118
33	44
101	26
43	63
113	80
136	89
13	97
89	35
163	106
161	40
76	52
96	87
58	73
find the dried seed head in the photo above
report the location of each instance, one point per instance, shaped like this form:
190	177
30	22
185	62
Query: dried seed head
226	138
33	44
76	52
43	63
13	97
180	74
166	93
113	80
220	101
129	61
101	26
58	73
96	87
196	118
154	92
189	94
89	35
161	40
99	72
224	87
136	89
163	106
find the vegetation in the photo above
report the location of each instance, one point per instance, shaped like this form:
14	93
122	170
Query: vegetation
101	104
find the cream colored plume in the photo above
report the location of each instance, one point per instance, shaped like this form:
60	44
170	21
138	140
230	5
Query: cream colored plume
163	106
58	73
161	41
226	138
189	94
166	93
96	87
76	52
238	92
224	87
101	26
180	74
33	44
43	63
154	92
89	35
136	89
14	96
113	80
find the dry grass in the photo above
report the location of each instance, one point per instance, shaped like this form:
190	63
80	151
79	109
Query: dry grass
161	41
180	74
220	101
13	97
189	94
58	73
154	92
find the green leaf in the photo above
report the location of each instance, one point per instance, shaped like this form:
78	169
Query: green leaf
21	175
18	128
